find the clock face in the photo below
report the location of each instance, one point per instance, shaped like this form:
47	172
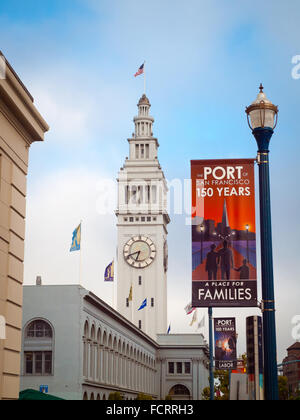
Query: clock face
139	252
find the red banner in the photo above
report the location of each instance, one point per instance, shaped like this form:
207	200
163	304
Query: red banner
223	233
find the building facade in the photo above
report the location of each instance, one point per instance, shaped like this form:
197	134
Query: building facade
183	365
20	126
291	368
79	348
142	221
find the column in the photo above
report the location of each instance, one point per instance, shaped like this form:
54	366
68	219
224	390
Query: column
194	379
101	363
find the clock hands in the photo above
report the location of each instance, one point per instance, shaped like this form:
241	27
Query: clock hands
135	253
139	252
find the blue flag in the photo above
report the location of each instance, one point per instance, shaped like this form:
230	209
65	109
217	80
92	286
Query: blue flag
169	329
76	240
109	272
143	305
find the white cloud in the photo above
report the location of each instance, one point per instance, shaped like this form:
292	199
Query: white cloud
67	116
56	204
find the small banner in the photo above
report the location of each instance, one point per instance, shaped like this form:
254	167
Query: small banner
225	344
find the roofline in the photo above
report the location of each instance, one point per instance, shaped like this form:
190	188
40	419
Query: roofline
20	102
92	298
16	76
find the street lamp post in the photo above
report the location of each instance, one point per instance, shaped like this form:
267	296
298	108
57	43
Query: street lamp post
211	356
263	116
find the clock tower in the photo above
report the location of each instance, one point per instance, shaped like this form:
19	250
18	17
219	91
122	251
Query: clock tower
142	230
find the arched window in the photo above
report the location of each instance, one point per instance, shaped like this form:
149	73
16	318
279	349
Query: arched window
179	391
39	329
38	348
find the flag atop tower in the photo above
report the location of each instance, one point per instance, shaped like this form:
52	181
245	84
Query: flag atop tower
140	70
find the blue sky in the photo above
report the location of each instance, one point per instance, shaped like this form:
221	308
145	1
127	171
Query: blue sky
204	62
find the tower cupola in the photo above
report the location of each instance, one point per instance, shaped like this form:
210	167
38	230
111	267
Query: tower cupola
144	122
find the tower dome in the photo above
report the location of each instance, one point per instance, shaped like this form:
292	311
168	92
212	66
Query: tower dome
144	101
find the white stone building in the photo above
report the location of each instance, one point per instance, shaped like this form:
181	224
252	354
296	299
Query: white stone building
78	347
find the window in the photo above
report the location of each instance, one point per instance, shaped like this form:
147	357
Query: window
140	280
126	194
152	302
127	302
179	367
147	151
125	219
143	219
131	219
154	194
39	329
171	367
148	219
38	363
29	363
179	390
140	197
187	368
133	194
148	194
38	349
140	324
48	363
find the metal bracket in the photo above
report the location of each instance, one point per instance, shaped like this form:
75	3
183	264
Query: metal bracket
259	158
263	309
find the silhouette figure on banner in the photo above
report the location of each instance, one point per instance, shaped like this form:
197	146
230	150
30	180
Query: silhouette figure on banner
212	263
244	271
225	259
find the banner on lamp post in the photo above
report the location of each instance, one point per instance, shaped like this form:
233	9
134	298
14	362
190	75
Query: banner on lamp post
223	233
225	344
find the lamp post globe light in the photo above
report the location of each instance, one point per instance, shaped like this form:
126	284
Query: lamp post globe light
262	119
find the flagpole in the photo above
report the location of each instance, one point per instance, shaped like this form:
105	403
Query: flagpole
80	266
113	287
145	77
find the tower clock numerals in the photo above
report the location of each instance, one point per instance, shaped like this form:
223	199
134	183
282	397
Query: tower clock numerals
139	252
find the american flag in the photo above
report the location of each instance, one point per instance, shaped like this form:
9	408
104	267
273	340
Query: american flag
140	70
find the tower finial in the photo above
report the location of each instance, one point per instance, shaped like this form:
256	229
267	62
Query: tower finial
261	88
